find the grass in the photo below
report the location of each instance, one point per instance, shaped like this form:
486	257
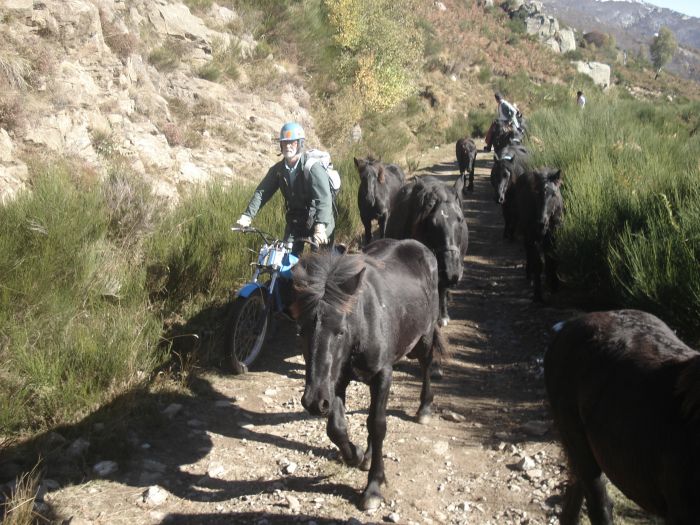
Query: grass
632	228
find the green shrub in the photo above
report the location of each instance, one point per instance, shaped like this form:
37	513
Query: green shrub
74	316
478	122
458	128
484	74
632	227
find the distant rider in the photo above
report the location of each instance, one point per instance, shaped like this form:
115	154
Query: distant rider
308	203
507	114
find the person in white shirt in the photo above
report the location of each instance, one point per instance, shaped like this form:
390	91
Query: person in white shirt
580	99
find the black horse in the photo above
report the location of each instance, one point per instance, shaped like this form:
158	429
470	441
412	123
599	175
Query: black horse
624	393
431	212
379	184
507	167
360	314
505	135
540	211
465	149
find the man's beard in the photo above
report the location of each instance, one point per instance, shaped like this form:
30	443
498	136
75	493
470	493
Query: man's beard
289	153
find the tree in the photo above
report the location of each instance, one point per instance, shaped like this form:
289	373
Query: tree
662	48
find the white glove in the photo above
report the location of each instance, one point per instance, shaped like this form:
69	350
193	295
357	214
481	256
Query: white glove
244	221
320	236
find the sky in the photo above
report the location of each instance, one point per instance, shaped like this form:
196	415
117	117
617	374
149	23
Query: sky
687	7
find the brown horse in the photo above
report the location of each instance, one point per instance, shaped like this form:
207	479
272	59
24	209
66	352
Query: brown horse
625	395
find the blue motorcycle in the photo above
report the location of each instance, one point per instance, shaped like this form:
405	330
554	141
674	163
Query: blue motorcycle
258	300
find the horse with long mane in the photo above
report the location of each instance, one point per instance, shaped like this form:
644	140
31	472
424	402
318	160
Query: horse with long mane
379	184
505	135
360	314
430	211
624	392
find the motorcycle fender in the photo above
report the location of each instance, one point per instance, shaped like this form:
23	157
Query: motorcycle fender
248	289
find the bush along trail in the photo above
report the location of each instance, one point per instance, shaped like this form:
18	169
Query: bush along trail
243	450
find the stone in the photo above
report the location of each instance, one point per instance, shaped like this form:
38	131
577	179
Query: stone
154	496
105	468
599	72
172	410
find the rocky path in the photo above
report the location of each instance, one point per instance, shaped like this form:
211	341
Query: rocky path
242	450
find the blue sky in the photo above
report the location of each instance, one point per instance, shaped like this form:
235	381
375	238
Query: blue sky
688	7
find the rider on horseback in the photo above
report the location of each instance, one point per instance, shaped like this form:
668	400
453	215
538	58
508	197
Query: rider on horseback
508	114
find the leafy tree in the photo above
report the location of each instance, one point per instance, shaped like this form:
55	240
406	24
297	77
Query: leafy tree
662	48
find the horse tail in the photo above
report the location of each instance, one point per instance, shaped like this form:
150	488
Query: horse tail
439	348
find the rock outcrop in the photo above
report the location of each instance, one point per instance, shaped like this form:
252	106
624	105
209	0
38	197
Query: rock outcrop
99	93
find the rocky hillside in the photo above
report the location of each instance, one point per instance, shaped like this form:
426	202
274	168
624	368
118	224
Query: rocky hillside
182	96
633	24
109	80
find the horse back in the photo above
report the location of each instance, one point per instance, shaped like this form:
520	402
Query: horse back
402	291
465	152
625	384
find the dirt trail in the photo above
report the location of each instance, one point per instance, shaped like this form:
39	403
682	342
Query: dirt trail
244	451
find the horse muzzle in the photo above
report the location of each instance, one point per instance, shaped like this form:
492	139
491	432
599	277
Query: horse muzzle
316	403
450	265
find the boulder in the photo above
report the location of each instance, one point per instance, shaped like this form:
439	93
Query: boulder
567	40
175	20
599	72
16	4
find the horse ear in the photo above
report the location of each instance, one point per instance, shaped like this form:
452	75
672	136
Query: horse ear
380	175
359	164
351	285
555	177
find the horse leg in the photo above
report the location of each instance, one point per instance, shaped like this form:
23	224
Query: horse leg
444	317
337	430
533	268
367	223
425	358
550	264
587	476
376	426
382	225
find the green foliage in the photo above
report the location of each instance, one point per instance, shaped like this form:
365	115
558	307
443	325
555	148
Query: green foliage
167	57
209	72
381	46
484	74
478	122
459	127
662	48
75	323
632	227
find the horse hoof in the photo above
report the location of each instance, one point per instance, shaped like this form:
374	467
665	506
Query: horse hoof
424	419
358	459
370	502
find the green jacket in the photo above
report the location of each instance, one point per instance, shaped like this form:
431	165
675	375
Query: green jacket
314	198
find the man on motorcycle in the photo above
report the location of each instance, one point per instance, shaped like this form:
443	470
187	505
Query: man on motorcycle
507	114
307	195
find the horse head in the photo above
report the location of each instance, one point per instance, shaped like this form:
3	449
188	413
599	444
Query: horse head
438	225
371	174
327	286
506	168
549	201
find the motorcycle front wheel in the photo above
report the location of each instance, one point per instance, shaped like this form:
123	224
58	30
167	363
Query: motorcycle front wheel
249	323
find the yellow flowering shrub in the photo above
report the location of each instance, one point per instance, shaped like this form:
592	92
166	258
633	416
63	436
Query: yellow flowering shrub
382	42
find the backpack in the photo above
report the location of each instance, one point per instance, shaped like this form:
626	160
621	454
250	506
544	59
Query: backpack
316	155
